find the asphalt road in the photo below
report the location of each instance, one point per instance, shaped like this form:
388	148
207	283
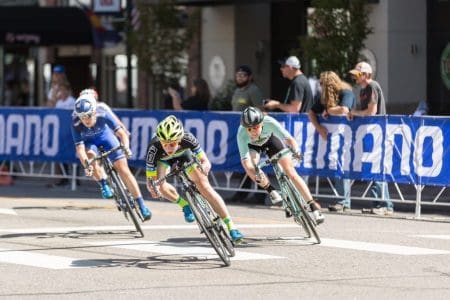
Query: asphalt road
57	245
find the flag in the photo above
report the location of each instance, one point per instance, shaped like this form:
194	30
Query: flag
104	34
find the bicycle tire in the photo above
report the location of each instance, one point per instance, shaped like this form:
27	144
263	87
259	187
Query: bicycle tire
207	225
225	238
302	214
121	191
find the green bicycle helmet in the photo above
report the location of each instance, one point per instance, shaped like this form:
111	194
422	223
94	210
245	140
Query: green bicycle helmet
170	129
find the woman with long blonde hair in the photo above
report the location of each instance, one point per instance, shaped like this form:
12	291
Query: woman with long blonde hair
333	91
336	99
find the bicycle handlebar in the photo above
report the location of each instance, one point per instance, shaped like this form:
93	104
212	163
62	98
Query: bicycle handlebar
275	158
176	170
103	155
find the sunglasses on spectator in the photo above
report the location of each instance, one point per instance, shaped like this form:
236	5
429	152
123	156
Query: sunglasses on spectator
356	75
250	129
170	144
241	74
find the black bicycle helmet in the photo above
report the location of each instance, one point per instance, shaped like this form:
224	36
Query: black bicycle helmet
251	117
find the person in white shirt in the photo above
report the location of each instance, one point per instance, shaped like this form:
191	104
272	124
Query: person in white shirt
65	100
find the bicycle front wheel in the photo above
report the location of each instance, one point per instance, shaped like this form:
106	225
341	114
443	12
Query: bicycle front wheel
122	194
300	212
204	217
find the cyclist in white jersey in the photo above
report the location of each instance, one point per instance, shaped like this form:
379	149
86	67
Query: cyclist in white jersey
262	133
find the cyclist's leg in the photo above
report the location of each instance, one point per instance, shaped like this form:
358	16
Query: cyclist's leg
215	200
263	180
121	165
287	165
98	173
169	192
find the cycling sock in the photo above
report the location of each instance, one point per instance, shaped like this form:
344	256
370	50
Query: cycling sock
181	202
103	182
312	204
140	201
269	188
229	223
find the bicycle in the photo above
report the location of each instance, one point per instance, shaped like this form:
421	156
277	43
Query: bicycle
293	202
124	201
207	219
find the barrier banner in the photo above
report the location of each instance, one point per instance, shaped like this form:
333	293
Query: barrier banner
401	149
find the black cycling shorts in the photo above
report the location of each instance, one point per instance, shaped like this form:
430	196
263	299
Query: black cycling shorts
271	147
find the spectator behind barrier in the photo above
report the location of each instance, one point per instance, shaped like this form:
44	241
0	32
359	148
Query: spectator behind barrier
199	99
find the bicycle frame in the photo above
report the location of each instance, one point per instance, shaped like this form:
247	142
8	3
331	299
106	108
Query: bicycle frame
122	196
292	198
208	221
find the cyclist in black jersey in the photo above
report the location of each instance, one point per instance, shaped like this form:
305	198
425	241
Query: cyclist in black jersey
168	147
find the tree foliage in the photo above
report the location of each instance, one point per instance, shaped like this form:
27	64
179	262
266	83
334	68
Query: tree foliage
162	39
339	28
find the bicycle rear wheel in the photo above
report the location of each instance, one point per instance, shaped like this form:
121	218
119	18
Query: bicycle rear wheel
204	218
120	189
300	212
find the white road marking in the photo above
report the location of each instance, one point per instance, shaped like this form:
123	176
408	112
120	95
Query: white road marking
376	247
39	260
434	236
7	211
177	249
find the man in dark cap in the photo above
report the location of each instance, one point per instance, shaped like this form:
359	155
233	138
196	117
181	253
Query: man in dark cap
247	93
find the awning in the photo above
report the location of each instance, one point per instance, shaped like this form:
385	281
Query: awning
42	26
216	2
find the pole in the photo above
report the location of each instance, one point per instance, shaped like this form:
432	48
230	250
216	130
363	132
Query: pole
128	53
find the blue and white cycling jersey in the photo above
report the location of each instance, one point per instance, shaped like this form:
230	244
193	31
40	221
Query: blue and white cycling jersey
102	134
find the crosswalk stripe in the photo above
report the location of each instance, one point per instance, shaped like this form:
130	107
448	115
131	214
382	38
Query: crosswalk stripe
375	247
39	260
130	227
434	236
7	211
176	249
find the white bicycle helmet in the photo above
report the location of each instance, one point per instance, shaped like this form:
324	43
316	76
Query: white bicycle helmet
85	105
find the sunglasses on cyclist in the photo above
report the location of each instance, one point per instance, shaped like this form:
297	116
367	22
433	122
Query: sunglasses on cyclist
250	129
85	116
170	144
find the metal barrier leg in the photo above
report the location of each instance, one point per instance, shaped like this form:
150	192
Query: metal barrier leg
73	179
418	200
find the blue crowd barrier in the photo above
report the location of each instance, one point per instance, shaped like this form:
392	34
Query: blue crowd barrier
402	149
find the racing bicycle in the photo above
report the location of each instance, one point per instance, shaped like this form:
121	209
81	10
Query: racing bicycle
124	201
207	219
293	202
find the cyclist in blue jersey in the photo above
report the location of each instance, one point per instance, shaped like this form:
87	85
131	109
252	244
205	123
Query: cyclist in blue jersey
94	127
169	146
262	133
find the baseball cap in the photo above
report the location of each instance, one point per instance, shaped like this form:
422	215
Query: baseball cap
244	68
361	67
291	61
58	69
